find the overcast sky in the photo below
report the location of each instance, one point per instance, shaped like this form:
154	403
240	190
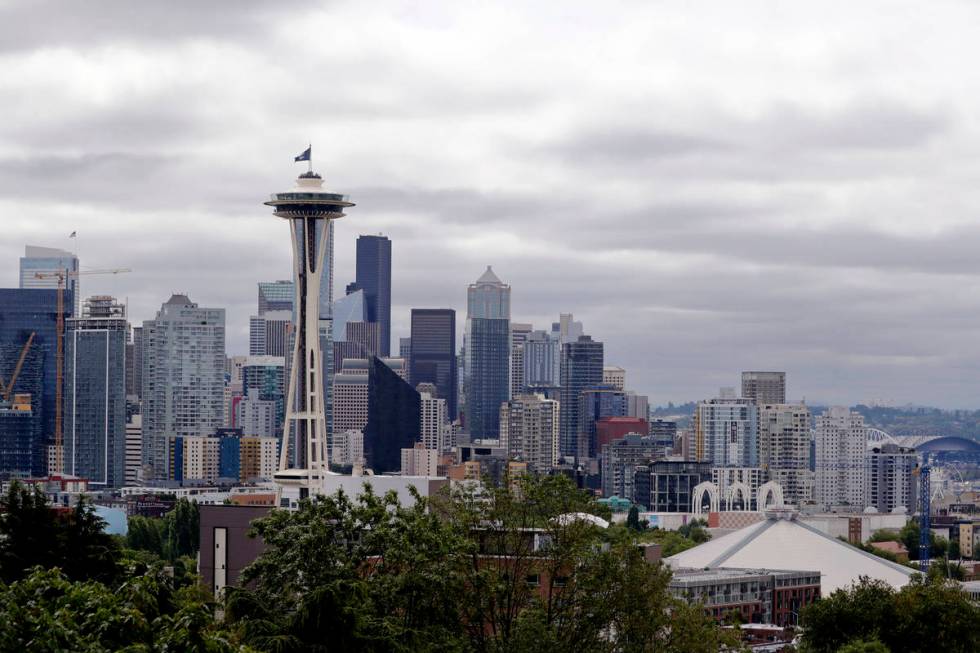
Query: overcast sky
708	186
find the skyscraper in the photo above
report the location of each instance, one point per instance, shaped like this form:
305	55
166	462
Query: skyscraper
276	296
542	359
95	393
374	278
529	431
268	333
784	449
841	442
433	353
764	387
581	368
394	417
434	427
183	377
487	354
26	432
519	333
614	376
726	432
310	211
45	261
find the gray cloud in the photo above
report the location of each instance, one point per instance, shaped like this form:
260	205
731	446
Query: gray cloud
704	204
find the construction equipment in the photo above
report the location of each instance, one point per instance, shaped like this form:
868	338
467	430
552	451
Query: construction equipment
61	276
7	390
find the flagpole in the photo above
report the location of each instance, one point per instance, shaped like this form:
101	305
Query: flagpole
310	160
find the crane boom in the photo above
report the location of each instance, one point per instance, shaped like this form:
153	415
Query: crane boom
7	390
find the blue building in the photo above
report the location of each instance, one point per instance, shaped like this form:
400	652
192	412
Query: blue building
595	403
432	356
23	446
581	368
46	262
95	393
394	417
374	278
230	455
487	383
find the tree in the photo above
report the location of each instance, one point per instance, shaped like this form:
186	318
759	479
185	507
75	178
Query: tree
32	533
633	520
47	612
864	646
924	615
176	534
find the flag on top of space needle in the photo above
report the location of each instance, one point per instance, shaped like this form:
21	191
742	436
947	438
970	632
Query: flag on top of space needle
305	156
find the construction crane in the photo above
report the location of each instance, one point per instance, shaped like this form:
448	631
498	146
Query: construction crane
7	389
61	276
925	507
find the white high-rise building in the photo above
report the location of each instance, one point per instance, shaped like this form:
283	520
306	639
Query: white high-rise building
201	458
419	461
348	448
841	446
350	401
183	377
256	416
614	376
529	431
134	450
726	432
434	429
890	478
784	449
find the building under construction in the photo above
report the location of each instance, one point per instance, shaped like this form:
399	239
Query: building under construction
28	398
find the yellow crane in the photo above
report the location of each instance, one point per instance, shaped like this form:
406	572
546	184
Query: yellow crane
7	389
61	276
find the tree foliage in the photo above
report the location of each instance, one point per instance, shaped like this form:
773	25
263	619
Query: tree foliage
176	534
926	615
480	568
32	533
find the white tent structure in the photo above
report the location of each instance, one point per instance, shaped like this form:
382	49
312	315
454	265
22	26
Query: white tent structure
782	542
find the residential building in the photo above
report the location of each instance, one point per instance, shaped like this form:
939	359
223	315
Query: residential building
614	376
664	430
256	416
890	478
258	458
419	461
668	485
374	278
27	428
581	368
841	445
267	376
529	431
784	449
200	458
133	471
183	377
434	427
487	354
95	393
764	387
726	432
432	353
620	460
347	448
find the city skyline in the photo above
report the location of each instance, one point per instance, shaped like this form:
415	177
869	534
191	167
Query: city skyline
812	215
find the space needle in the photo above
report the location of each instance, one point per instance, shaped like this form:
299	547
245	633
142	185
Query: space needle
309	208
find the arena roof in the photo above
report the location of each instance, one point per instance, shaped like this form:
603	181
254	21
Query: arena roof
781	542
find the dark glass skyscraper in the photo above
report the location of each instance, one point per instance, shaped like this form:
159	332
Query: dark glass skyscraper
394	418
487	383
374	278
95	393
22	312
433	352
581	368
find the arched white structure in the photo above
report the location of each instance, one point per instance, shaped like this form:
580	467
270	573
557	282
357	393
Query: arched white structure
738	488
877	437
697	498
771	490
